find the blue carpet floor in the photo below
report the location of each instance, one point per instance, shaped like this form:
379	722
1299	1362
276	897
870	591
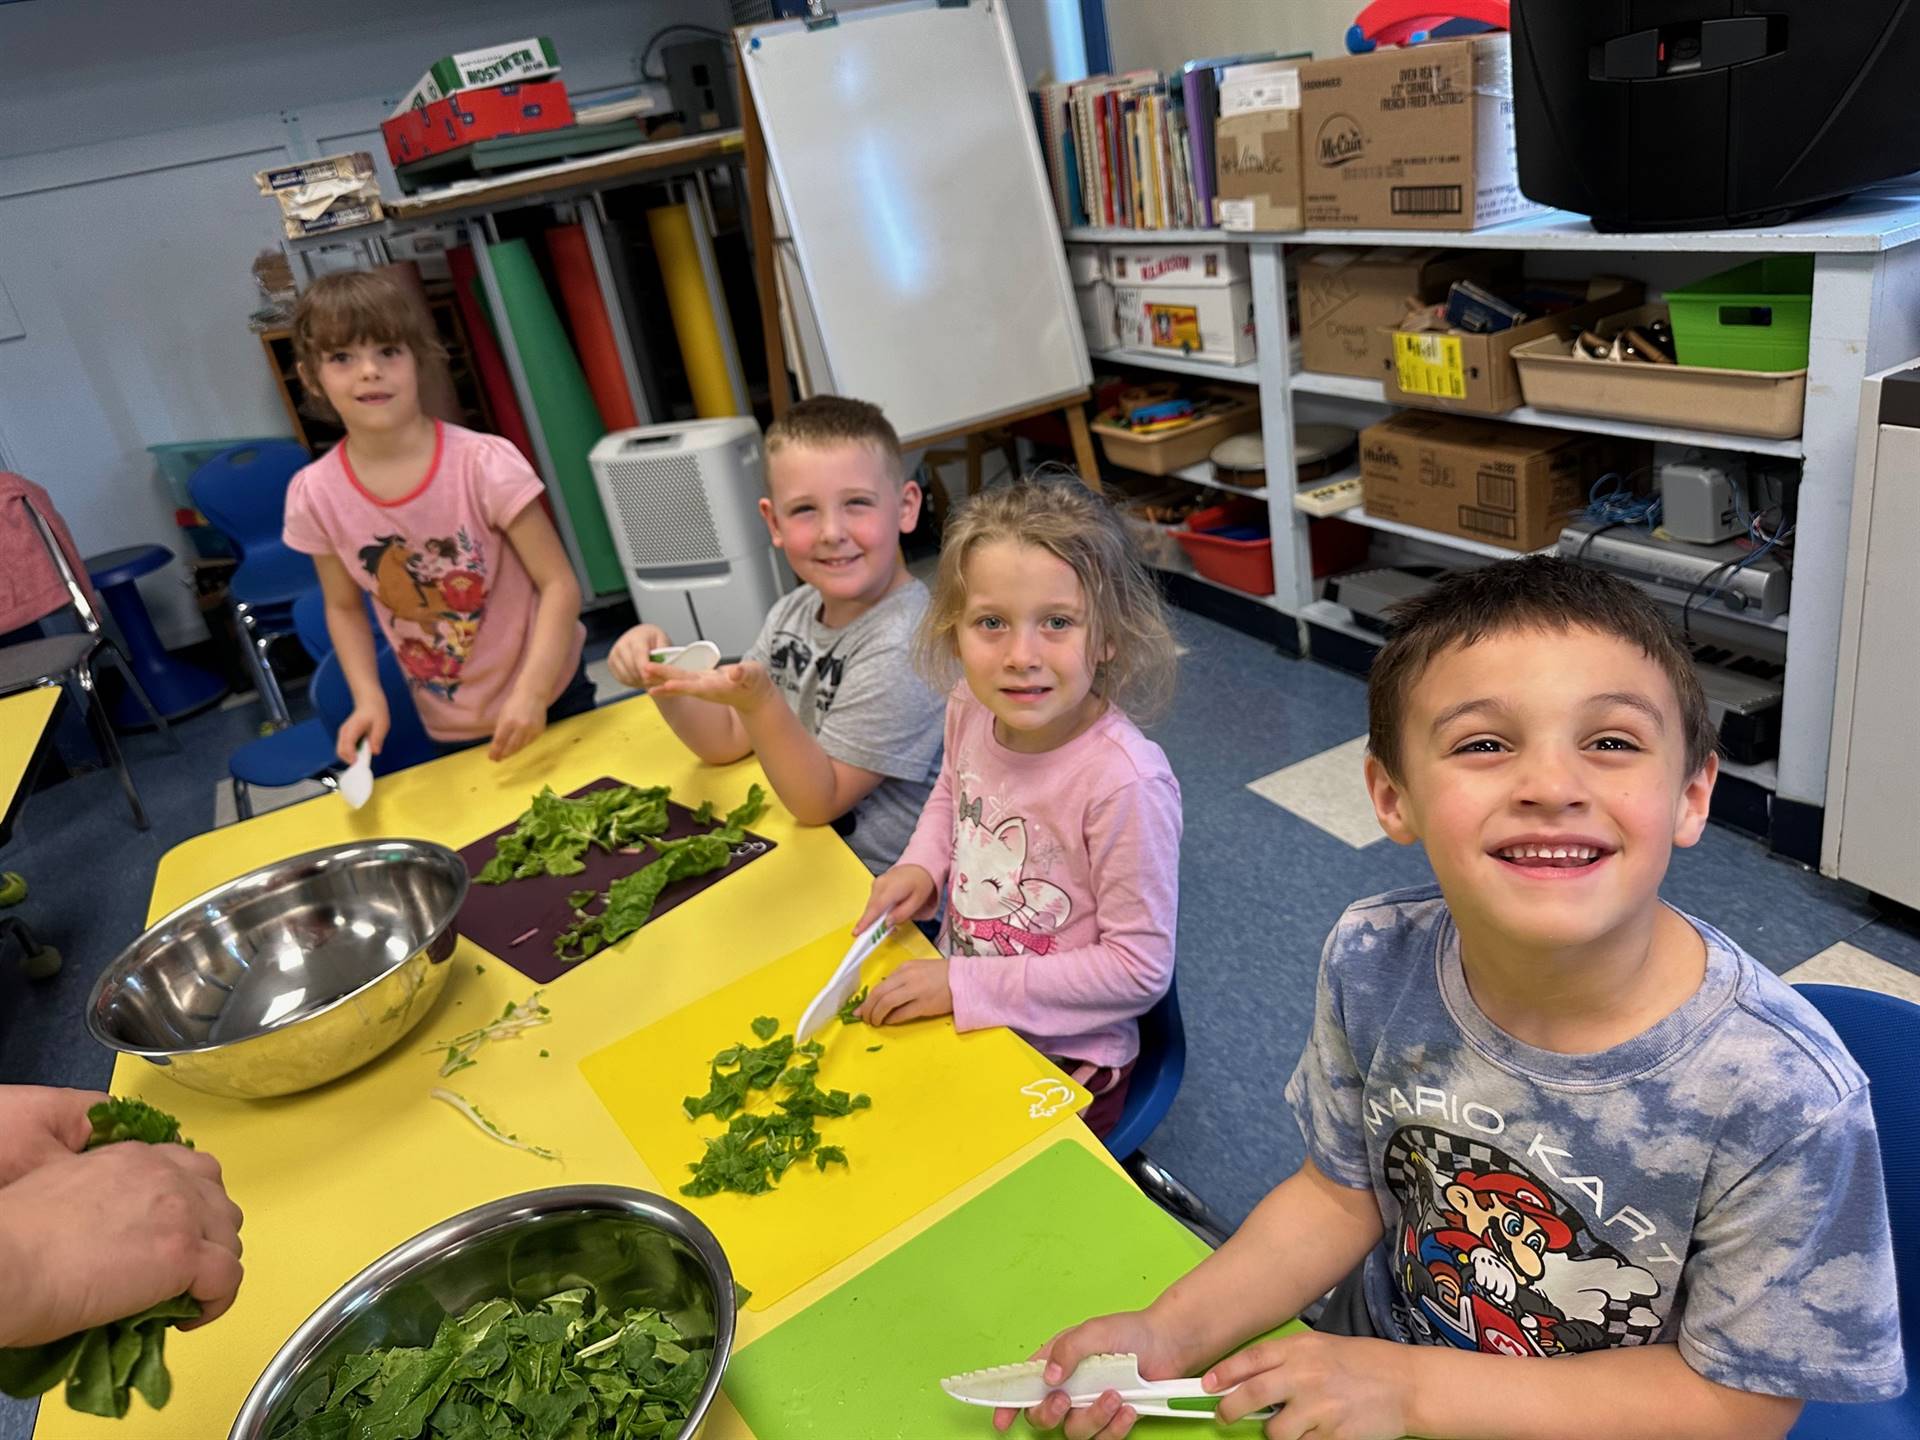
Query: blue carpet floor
1259	889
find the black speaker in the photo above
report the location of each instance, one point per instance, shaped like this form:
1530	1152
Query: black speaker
1699	114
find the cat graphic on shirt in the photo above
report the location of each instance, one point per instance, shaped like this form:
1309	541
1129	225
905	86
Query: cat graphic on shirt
993	908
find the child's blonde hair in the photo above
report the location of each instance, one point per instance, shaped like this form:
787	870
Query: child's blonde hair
352	306
1125	613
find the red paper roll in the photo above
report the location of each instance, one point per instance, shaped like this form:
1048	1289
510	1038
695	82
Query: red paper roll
592	330
487	359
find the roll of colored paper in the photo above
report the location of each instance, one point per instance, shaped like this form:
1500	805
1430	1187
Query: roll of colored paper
701	348
593	333
490	364
437	396
568	417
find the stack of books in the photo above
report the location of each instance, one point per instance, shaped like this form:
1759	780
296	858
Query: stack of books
1135	151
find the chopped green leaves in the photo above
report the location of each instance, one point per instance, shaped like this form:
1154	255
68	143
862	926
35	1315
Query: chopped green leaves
102	1367
630	899
553	835
486	1127
871	1049
759	1147
849	1012
523	1015
563	1368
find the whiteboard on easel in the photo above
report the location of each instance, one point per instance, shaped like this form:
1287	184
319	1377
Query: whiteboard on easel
902	146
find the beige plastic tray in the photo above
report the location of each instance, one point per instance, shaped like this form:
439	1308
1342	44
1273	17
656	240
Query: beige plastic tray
1733	402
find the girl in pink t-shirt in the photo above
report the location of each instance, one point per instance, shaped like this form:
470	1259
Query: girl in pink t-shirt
1054	828
440	525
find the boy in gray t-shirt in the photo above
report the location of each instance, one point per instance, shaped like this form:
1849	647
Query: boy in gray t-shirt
827	699
1576	1165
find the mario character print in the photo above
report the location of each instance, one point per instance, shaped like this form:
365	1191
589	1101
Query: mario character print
1486	1257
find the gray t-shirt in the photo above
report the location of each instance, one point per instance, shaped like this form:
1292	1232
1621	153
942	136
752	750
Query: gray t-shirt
1713	1182
857	693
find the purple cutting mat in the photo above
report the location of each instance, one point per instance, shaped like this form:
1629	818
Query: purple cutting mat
497	915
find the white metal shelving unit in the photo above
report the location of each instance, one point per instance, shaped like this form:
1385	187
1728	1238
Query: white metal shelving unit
1866	317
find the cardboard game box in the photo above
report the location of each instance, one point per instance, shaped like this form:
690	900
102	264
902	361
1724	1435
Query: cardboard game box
471	115
531	59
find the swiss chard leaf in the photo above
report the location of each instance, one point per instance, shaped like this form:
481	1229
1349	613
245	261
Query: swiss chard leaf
554	833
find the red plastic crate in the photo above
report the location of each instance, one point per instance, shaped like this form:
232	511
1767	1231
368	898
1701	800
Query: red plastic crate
1245	565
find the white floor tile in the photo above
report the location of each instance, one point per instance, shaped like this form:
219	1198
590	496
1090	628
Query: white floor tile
1845	964
605	687
264	798
1327	791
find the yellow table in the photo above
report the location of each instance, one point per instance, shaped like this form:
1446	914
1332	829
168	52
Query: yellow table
26	720
333	1178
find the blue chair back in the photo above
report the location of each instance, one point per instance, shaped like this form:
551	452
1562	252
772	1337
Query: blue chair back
1882	1033
243	491
310	624
1156	1075
407	740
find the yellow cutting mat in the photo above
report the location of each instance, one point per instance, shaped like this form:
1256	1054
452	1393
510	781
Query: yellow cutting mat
945	1108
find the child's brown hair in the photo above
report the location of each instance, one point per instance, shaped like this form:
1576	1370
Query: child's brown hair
1539	592
1060	515
349	307
822	420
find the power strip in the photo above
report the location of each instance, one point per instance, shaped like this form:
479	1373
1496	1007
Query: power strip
1329	499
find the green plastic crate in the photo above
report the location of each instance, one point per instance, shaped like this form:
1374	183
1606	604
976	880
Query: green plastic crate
1754	317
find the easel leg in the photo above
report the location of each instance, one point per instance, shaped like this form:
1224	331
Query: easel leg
1085	460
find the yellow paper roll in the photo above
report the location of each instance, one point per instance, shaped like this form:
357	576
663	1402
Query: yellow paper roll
701	347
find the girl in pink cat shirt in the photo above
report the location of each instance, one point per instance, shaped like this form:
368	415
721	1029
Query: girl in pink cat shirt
1054	828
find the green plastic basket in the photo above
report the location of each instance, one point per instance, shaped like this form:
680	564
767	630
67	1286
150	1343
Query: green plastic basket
1755	317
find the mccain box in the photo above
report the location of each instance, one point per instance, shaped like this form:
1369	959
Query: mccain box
1412	139
1508	485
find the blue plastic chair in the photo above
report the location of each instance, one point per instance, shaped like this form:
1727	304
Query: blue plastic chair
1156	1075
243	491
306	751
310	625
1882	1032
1156	1080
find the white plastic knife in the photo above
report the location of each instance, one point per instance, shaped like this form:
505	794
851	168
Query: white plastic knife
846	977
1023	1385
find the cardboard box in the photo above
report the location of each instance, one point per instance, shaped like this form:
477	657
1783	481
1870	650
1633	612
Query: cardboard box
337	216
1349	298
1201	322
1259	184
1508	485
1476	373
356	169
532	59
1414	139
1097	318
474	115
1179	265
318	196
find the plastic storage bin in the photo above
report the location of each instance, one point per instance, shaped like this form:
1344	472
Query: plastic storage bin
1734	402
1232	545
1757	316
1230	411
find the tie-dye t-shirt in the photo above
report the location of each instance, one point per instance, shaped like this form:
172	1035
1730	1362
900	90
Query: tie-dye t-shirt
1713	1182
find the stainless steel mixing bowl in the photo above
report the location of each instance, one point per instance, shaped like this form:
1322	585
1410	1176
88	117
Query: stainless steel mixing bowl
290	976
633	1248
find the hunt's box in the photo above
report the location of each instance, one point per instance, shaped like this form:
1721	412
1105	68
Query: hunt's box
520	60
1412	139
472	115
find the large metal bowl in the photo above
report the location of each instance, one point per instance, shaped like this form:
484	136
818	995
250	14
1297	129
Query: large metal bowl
290	976
633	1248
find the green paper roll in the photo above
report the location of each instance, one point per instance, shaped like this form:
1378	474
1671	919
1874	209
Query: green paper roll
568	417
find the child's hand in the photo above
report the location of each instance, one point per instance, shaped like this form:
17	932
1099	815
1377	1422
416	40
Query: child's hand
899	894
1324	1384
367	722
745	685
632	650
916	990
520	723
1134	1332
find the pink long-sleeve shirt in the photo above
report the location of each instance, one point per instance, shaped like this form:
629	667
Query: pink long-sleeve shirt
1062	877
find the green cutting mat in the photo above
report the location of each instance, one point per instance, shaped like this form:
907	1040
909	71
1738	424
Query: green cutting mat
1059	1240
568	417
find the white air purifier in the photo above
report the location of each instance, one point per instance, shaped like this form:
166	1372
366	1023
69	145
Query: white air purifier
683	504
